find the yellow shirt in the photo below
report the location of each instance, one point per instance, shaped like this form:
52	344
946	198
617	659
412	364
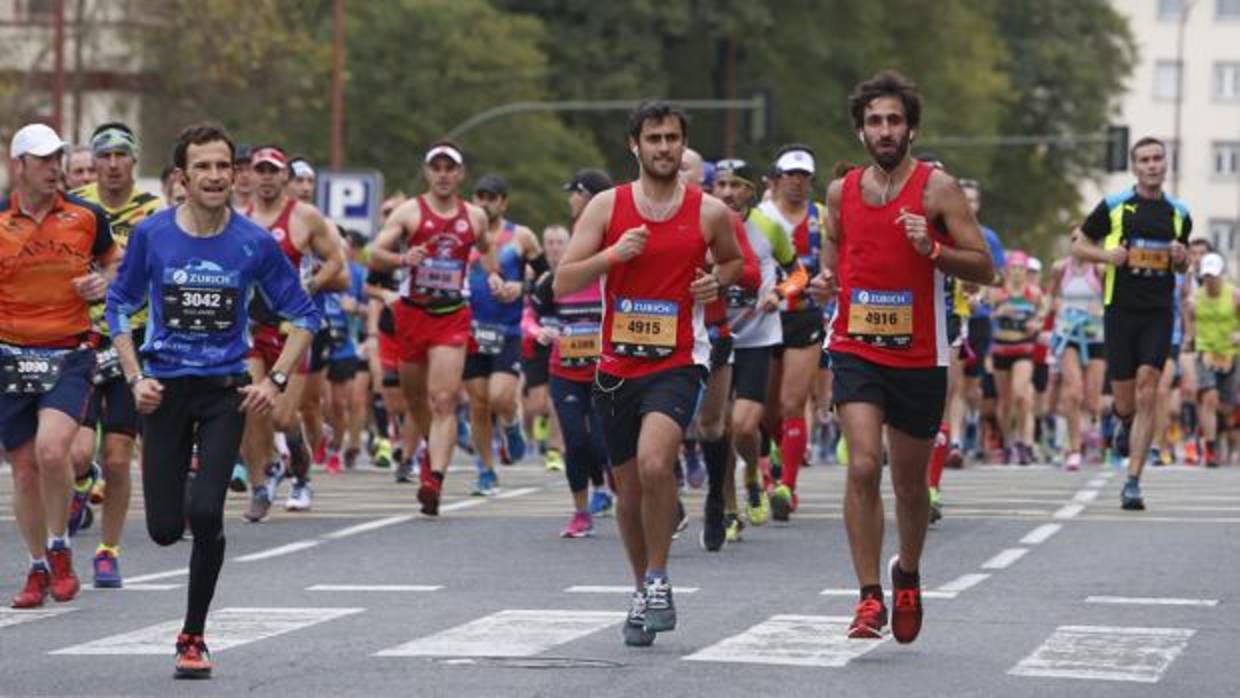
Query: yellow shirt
123	219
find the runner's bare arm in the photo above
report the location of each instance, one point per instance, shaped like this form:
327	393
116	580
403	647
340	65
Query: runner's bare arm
382	253
1086	250
825	284
325	242
585	259
969	258
721	239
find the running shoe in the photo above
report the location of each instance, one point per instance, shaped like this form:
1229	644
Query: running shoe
660	607
634	631
868	621
1211	457
38	584
955	459
514	441
81	496
428	497
906	609
487	484
1130	498
541	429
732	532
758	506
193	659
1073	463
781	503
936	505
463	438
841	451
335	464
299	497
260	505
65	584
554	460
695	470
580	526
240	480
350	458
1168	456
601	503
714	527
107	570
404	471
682	519
382	457
320	451
1191	455
275	475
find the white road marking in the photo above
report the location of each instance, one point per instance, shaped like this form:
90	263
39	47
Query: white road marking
1151	601
621	589
368	526
1097	482
374	587
1004	559
294	547
1069	511
464	504
1085	496
12	616
925	593
521	492
130	586
790	640
1105	653
963	582
228	627
1041	534
509	634
157	575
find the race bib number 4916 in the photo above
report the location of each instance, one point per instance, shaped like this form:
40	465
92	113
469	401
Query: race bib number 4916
881	318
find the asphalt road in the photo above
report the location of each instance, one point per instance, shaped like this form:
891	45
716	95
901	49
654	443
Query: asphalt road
1037	583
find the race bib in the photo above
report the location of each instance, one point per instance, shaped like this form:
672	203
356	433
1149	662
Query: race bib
644	328
107	366
489	337
881	318
27	371
739	298
199	309
439	276
1149	257
580	344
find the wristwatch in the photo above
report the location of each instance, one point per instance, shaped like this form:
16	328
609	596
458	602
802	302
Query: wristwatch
279	379
133	380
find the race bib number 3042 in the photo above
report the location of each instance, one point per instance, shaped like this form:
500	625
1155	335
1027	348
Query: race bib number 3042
881	318
200	308
644	328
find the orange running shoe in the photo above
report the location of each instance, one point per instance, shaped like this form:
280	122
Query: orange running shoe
193	659
868	621
906	610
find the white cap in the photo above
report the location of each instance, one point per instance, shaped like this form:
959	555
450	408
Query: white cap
447	151
1034	264
795	161
1212	264
35	139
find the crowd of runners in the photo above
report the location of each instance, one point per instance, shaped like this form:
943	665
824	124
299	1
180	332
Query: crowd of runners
709	324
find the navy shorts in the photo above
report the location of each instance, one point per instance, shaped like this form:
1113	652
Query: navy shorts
508	360
622	403
112	407
19	413
911	398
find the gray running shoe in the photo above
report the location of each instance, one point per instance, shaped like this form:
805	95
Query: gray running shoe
660	608
635	633
299	497
1130	498
260	504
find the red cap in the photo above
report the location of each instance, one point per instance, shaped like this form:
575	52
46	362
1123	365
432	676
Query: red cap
271	156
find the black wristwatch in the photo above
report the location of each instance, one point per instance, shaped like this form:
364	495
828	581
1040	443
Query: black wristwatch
133	380
279	379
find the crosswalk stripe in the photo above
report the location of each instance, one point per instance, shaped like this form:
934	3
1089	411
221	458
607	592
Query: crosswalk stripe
11	616
791	640
618	589
1151	601
226	628
373	587
1105	653
963	582
512	633
1004	559
1041	534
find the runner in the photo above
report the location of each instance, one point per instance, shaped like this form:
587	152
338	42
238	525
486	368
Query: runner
195	264
648	239
348	375
171	186
570	325
306	238
49	243
1140	234
1216	318
793	365
80	168
893	229
1018	317
244	181
436	232
1076	291
112	408
493	365
537	415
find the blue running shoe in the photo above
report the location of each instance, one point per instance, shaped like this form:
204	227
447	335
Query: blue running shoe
487	484
514	440
695	470
240	481
463	438
600	503
81	497
107	570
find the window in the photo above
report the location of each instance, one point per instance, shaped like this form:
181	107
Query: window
1227	81
1224	234
1170	9
1227	9
36	10
1166	79
1227	158
1173	154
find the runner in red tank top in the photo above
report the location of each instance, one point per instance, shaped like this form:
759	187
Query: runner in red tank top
649	240
893	229
303	233
432	235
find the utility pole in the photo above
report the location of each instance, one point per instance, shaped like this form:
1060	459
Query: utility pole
337	135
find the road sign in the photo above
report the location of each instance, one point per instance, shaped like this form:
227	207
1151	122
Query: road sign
351	198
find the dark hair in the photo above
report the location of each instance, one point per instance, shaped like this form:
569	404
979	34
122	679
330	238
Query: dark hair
656	110
1202	241
1142	142
166	173
199	134
355	238
888	83
108	126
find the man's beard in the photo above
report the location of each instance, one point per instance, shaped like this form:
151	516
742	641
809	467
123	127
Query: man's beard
889	162
649	169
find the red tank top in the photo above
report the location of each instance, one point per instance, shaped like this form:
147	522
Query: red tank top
437	282
650	322
282	230
891	309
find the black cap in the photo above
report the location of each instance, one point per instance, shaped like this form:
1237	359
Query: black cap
243	152
589	181
492	184
737	168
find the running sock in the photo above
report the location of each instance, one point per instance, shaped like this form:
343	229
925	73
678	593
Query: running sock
114	549
39	563
715	453
792	445
938	456
654	574
872	591
900	578
298	454
57	542
437	476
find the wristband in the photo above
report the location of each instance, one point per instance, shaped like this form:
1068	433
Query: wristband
935	251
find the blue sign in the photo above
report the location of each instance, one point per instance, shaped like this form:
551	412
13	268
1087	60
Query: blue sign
351	198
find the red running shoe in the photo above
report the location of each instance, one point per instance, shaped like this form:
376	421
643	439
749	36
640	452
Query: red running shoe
193	659
35	592
428	496
65	583
868	621
906	608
